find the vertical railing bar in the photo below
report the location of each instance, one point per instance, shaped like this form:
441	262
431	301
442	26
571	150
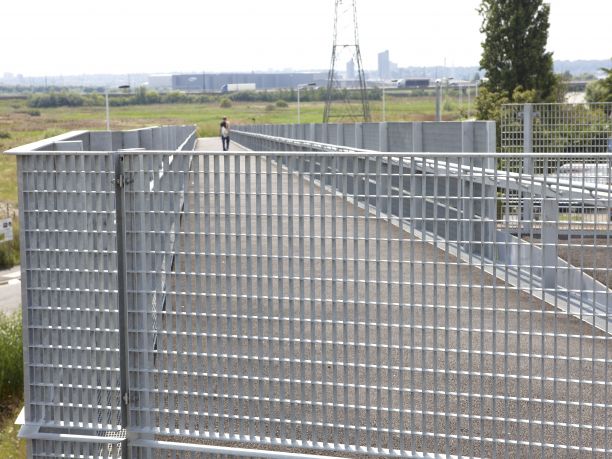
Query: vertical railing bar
366	299
248	194
301	166
229	343
188	234
400	295
475	221
334	171
291	177
218	298
459	288
122	292
281	291
345	295
312	275
323	260
446	311
260	289
239	257
378	319
177	187
197	263
389	318
594	330
424	292
412	294
552	288
355	221
269	279
470	287
208	311
435	302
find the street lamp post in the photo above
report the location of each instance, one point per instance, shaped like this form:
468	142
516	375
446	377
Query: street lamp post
300	86
124	86
383	100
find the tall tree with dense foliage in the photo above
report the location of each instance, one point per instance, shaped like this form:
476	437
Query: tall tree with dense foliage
601	90
514	50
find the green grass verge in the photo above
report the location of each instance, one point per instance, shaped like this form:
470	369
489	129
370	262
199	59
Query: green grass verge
11	447
11	357
9	250
11	385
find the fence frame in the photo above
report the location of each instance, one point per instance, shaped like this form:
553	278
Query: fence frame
438	165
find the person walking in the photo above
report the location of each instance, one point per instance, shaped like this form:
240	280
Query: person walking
225	134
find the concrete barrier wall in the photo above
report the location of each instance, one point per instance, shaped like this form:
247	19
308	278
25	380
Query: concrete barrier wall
442	137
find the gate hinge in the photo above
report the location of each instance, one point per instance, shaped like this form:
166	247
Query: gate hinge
126	398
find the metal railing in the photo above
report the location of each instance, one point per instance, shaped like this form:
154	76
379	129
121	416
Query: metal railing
344	302
555	128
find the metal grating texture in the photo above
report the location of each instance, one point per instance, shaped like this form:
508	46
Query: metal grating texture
379	305
69	278
555	128
53	449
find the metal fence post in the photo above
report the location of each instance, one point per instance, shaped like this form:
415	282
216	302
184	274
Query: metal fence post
122	292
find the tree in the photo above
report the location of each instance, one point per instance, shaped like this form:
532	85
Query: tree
601	90
514	50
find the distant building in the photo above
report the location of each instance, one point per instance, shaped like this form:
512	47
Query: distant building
384	65
160	81
213	82
350	70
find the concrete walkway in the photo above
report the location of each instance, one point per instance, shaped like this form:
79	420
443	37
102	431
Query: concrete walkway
214	144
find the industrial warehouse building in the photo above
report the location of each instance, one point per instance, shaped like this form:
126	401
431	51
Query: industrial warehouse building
212	82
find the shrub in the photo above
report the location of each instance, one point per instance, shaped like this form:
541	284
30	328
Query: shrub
270	108
11	357
5	135
449	106
225	103
9	251
281	103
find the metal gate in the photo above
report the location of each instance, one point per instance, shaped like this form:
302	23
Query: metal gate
270	304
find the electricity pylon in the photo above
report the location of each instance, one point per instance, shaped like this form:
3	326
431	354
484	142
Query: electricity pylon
343	104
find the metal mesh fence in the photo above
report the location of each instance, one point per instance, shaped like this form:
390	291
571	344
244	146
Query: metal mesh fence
556	128
348	304
53	449
382	305
69	266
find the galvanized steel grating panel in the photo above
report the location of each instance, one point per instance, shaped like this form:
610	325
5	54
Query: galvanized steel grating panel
555	128
67	207
52	449
380	306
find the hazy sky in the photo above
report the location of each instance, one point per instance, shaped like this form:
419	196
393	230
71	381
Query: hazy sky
42	37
